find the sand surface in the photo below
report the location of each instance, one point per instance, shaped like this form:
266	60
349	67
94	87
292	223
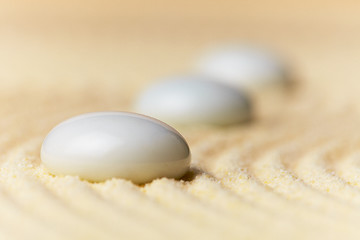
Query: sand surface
291	173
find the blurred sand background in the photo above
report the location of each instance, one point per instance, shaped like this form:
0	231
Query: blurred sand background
291	174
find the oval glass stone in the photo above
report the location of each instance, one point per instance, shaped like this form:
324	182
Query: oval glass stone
194	100
243	66
104	145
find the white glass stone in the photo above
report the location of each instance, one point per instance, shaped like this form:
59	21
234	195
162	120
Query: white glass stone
194	100
104	145
243	66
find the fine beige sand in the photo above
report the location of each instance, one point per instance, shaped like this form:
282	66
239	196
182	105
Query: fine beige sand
291	173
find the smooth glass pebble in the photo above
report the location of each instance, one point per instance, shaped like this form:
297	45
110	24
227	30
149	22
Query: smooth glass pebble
104	145
194	100
244	67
